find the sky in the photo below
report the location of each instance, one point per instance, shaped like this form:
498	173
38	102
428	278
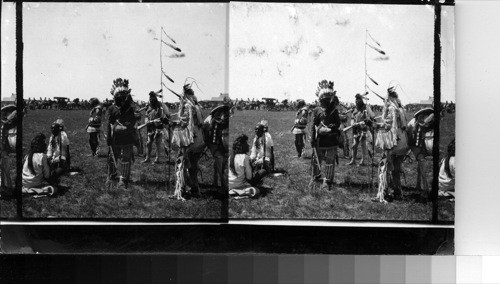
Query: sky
283	50
76	50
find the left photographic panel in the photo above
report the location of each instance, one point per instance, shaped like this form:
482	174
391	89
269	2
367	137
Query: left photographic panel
9	114
126	114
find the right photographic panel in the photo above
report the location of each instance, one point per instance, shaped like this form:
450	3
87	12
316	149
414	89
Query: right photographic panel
342	112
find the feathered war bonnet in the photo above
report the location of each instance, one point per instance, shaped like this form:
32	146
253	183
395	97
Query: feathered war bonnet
120	90
325	92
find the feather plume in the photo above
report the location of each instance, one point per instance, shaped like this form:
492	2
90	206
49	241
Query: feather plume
171	46
376	49
168	36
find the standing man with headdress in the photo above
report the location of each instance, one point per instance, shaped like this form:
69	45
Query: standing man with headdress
94	126
121	132
392	139
362	118
299	129
188	136
324	133
156	115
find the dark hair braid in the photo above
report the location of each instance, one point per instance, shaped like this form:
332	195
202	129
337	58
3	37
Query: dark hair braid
37	145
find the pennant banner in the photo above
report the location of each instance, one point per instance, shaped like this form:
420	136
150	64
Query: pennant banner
376	49
172	91
174	47
374	40
368	87
170	79
371	79
168	35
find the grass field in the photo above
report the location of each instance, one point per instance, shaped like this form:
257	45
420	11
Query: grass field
86	195
288	196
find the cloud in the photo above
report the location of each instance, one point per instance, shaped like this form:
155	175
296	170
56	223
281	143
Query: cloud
292	49
342	23
65	41
240	51
177	55
381	58
317	53
252	50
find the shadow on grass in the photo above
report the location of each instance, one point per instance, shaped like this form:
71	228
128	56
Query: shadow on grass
264	191
75	170
279	171
214	194
7	194
415	196
154	183
207	185
61	190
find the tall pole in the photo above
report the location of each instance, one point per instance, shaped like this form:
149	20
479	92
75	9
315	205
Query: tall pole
371	130
437	110
167	151
366	38
161	62
19	106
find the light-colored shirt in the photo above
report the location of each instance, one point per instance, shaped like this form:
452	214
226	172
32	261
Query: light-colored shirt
243	172
259	153
446	182
42	171
54	149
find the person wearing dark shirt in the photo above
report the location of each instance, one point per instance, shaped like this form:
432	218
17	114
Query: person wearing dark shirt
121	132
324	133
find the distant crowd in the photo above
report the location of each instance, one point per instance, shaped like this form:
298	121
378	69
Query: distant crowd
287	105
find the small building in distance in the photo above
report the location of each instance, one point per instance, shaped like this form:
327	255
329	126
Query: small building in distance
222	97
9	100
427	103
215	101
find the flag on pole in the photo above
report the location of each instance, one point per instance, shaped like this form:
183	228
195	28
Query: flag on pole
168	35
174	47
173	92
371	79
170	79
376	49
374	40
368	87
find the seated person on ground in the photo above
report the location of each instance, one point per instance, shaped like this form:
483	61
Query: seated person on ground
240	170
262	153
37	178
447	173
58	149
